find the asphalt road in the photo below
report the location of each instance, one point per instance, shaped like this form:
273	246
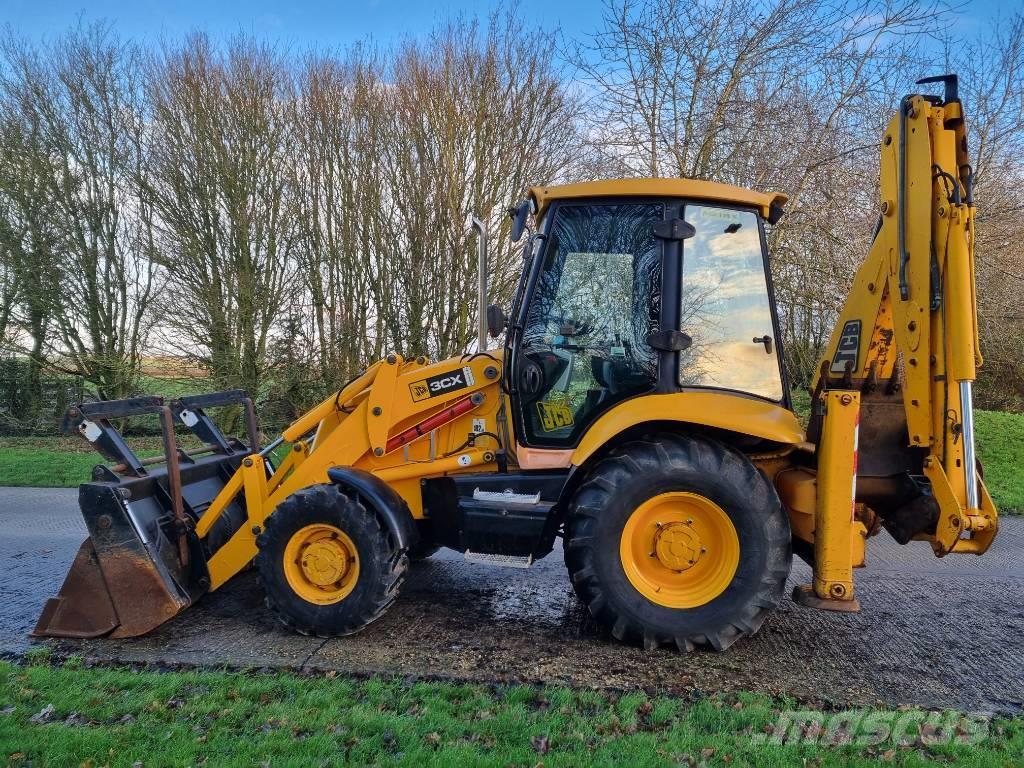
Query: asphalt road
941	633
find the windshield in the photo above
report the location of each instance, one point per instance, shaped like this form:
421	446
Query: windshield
725	307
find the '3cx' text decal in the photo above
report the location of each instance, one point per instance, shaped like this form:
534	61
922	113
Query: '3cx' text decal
442	384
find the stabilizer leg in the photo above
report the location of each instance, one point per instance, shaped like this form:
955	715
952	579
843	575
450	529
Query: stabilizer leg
834	524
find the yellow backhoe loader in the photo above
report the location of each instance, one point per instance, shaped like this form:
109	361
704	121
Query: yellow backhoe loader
637	409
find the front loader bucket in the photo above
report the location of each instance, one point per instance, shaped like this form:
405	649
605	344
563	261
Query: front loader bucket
126	579
83	607
142	563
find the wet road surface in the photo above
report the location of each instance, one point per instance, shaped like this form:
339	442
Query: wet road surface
942	633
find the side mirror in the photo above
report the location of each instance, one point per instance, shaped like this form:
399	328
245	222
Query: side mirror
519	215
496	321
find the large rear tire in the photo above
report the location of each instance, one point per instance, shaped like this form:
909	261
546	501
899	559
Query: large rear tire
326	564
680	540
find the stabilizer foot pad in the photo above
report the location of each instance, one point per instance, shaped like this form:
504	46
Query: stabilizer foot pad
804	595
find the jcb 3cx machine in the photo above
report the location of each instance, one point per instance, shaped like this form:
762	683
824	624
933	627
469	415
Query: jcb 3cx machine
637	410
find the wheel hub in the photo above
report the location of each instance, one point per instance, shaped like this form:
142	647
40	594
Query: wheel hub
677	546
679	549
321	564
325	562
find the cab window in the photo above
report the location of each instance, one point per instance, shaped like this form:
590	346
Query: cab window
725	305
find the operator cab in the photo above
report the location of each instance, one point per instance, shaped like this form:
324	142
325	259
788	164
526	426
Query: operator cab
662	290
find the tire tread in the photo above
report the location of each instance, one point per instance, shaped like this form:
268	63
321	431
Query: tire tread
323	503
652	453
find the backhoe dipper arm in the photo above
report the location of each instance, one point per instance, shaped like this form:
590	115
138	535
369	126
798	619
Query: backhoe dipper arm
907	340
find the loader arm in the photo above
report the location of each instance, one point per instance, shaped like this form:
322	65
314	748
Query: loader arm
906	349
376	423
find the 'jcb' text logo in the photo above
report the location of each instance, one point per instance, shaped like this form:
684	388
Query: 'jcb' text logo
554	415
848	349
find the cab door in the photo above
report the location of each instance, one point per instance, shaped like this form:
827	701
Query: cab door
595	299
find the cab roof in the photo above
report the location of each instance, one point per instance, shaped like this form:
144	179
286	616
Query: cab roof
690	188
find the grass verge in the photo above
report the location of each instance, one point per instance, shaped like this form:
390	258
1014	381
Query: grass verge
59	462
68	715
42	467
1000	441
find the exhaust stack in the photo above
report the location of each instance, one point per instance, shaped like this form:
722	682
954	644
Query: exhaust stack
481	251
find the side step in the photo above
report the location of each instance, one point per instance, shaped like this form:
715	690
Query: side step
508	500
505	561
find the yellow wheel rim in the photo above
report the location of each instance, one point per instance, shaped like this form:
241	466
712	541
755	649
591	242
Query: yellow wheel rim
679	550
321	564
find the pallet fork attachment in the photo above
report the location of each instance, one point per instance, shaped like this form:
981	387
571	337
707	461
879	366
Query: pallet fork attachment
142	563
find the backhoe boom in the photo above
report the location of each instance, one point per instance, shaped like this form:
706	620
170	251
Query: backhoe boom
907	339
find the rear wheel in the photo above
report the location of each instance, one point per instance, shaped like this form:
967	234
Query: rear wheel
678	540
326	564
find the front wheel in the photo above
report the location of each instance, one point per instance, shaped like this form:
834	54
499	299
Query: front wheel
326	564
678	540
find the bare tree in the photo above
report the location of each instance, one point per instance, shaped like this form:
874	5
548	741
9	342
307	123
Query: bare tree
474	115
337	189
28	259
81	100
222	145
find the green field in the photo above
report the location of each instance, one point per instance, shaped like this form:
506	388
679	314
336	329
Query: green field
123	717
63	462
1000	441
56	462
